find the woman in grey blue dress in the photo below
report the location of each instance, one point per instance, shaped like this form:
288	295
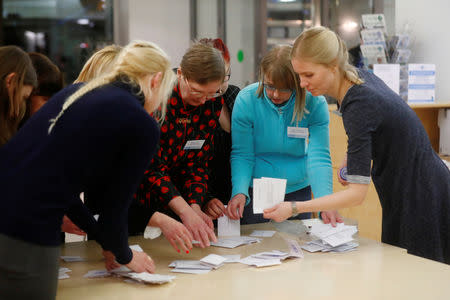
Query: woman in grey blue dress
386	143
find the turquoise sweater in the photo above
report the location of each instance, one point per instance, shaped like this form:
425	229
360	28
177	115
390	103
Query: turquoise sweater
261	146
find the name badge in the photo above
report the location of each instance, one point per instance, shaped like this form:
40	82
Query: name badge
298	132
194	144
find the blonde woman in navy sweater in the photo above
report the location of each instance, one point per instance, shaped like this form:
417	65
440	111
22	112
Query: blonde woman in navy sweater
97	137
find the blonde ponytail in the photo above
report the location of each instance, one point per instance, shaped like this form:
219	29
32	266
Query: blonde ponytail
320	45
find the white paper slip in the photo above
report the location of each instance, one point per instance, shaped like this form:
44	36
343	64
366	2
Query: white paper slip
190	271
189	264
64	270
263	233
152	278
232	258
129	280
324	230
258	262
233	242
63	276
228	227
226	243
294	249
351	246
338	239
136	248
72	258
194	144
152	232
271	255
213	260
267	192
62	273
121	269
97	274
310	247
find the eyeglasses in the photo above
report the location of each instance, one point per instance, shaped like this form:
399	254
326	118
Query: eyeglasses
227	75
198	94
271	89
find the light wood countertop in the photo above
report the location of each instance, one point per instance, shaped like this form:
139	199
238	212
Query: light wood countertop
373	271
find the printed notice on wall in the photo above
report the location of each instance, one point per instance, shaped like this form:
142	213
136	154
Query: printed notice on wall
421	83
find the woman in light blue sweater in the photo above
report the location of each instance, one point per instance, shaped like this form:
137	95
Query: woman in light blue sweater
279	130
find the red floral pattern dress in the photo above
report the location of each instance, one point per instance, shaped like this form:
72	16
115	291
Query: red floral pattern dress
174	170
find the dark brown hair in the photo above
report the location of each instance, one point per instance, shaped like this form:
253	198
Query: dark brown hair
12	109
203	64
49	77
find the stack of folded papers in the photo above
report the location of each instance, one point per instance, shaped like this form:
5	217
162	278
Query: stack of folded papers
332	239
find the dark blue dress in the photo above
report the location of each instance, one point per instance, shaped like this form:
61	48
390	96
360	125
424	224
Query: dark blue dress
388	144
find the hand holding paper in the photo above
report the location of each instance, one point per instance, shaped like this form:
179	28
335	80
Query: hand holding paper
279	212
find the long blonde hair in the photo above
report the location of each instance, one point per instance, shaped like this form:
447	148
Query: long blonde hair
137	61
276	65
320	45
99	63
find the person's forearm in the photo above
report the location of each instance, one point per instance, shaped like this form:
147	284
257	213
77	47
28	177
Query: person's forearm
179	206
352	196
156	219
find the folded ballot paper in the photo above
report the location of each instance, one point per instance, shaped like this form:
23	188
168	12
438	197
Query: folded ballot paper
274	257
189	267
62	274
123	271
267	192
228	227
235	241
332	239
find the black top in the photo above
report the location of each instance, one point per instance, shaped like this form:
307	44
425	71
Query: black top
101	145
220	169
412	182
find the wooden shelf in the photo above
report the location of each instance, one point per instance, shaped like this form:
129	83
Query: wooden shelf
436	105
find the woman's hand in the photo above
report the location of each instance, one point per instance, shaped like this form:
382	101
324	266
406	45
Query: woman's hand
69	227
279	212
110	260
215	209
199	224
331	216
235	208
174	231
141	262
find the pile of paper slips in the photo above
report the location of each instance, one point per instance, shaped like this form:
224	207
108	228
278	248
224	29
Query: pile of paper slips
332	239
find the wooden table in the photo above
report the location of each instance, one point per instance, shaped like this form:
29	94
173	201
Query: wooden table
373	271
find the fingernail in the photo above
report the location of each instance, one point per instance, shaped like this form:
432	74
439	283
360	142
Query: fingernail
187	251
178	251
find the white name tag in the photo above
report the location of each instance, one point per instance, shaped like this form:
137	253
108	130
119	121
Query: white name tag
194	144
298	132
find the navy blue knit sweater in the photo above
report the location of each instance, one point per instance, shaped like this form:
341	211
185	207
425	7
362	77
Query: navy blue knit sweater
101	145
